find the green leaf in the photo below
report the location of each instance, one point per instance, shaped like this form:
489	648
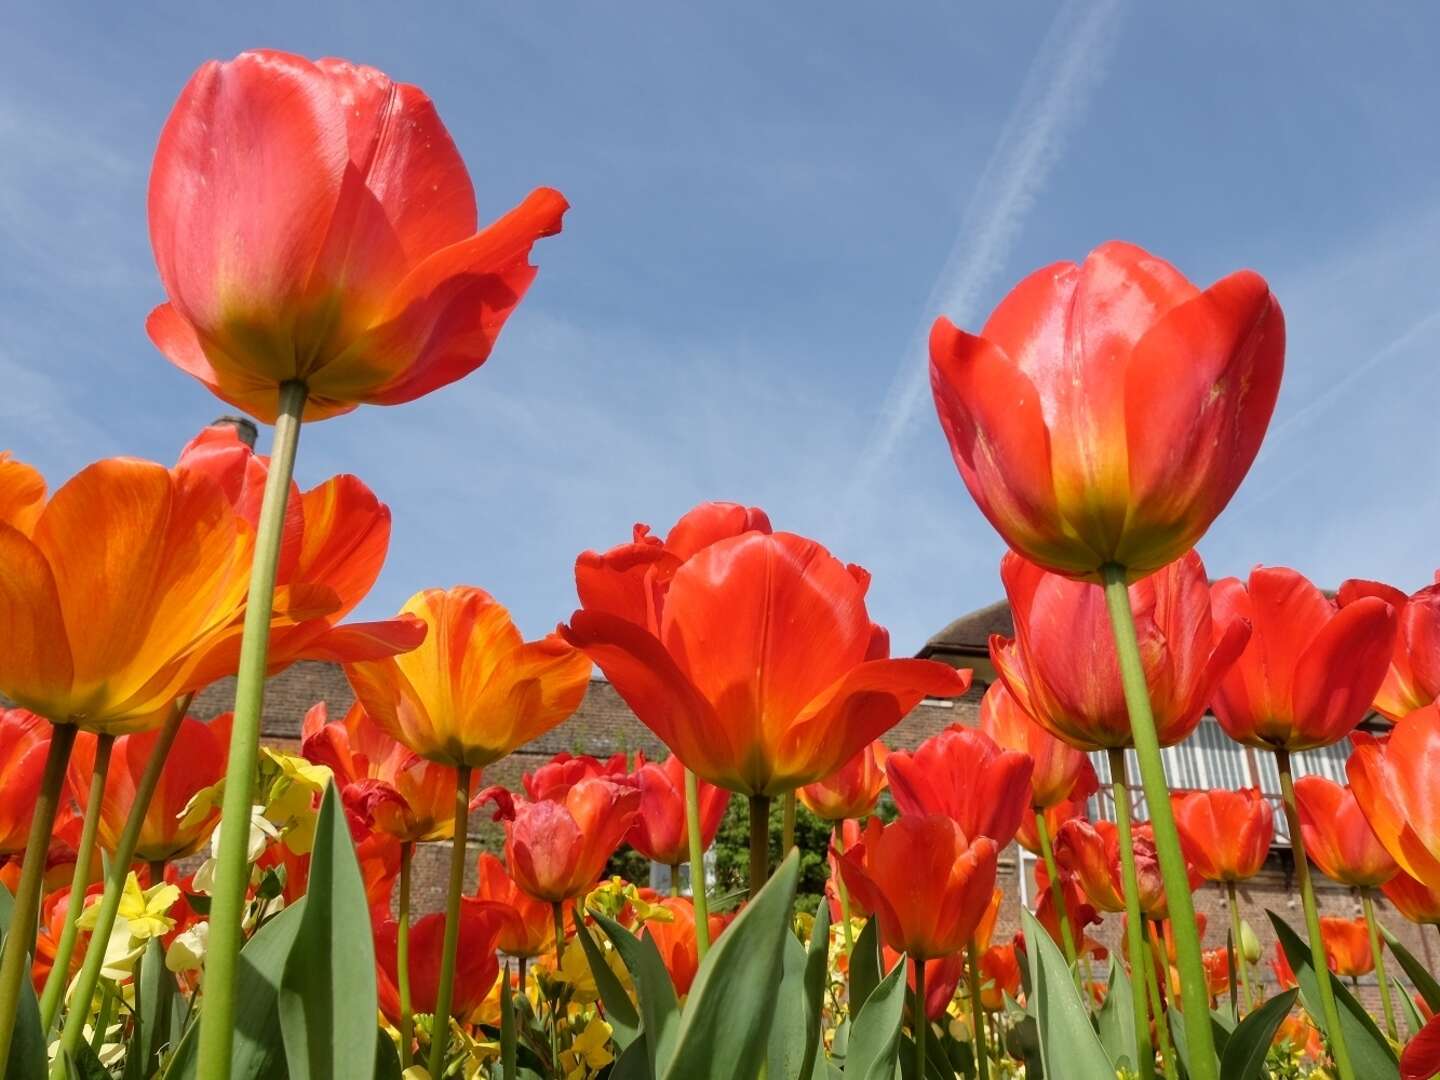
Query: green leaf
80	1065
1418	973
875	1035
387	1059
659	1009
619	1009
1370	1053
327	993
817	963
1116	1019
157	1026
633	1063
507	1019
259	1051
790	1028
1244	1055
28	1054
727	1017
1068	1044
865	973
1413	1020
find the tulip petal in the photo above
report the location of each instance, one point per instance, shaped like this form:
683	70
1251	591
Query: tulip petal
1421	1059
1340	672
711	522
346	535
36	666
22	493
1375	790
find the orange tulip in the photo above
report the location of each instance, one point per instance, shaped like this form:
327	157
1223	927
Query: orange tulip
54	913
675	940
660	832
1226	834
766	673
1311	669
1108	411
962	773
24	745
476	966
942	977
1413	899
393	788
1077	907
532	932
849	831
1394	783
1347	946
1304	1037
361	274
1062	668
1217	972
1091	851
1338	839
22	493
564	771
1061	772
132	575
1413	680
852	790
927	884
1027	836
196	761
999	976
556	849
1284	973
474	690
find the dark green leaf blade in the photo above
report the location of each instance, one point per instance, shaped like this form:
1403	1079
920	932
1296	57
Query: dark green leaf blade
790	1028
1069	1046
1417	972
1116	1019
619	1009
874	1046
817	965
659	1008
1244	1056
865	973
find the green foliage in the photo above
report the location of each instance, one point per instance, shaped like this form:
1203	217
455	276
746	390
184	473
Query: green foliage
1116	1020
732	850
1068	1044
1248	1046
874	1046
1418	973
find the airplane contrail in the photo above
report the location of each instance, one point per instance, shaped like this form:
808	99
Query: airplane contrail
1067	67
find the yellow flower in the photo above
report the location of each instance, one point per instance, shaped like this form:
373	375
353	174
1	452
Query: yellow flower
142	910
290	804
589	1052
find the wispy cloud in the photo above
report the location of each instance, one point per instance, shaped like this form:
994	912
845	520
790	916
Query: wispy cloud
1069	65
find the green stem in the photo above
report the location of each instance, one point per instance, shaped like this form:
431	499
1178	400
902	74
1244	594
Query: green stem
843	892
79	883
157	871
1057	888
20	940
557	911
1338	1049
1155	958
102	1019
232	873
1204	1064
402	957
89	977
507	1024
1134	926
787	825
921	1022
697	864
675	879
445	992
1378	952
977	1010
759	842
1237	954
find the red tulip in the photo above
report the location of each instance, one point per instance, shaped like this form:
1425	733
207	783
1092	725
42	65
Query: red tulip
1217	972
764	673
1077	907
1311	669
1226	834
1091	851
532	932
563	771
1421	1059
1394	783
54	912
852	790
476	966
557	849
1347	946
849	831
401	793
1027	836
1061	772
942	978
1413	680
961	773
1108	411
1284	973
196	761
1338	839
999	977
927	884
1415	900
675	940
24	746
660	832
1062	668
314	222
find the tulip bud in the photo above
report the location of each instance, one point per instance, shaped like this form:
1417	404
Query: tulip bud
1249	944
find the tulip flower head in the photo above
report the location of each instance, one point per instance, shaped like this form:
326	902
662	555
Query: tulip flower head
1338	839
852	790
556	849
1347	946
313	222
1226	834
942	978
960	772
1029	838
999	977
1091	851
22	493
474	690
660	832
1311	668
675	940
928	884
1413	680
532	932
1393	780
1062	668
764	672
24	746
1107	412
1413	899
1060	771
565	770
476	966
1421	1058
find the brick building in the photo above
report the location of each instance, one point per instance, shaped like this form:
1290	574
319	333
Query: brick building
604	725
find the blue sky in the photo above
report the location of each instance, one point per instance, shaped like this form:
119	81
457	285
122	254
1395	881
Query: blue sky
770	204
